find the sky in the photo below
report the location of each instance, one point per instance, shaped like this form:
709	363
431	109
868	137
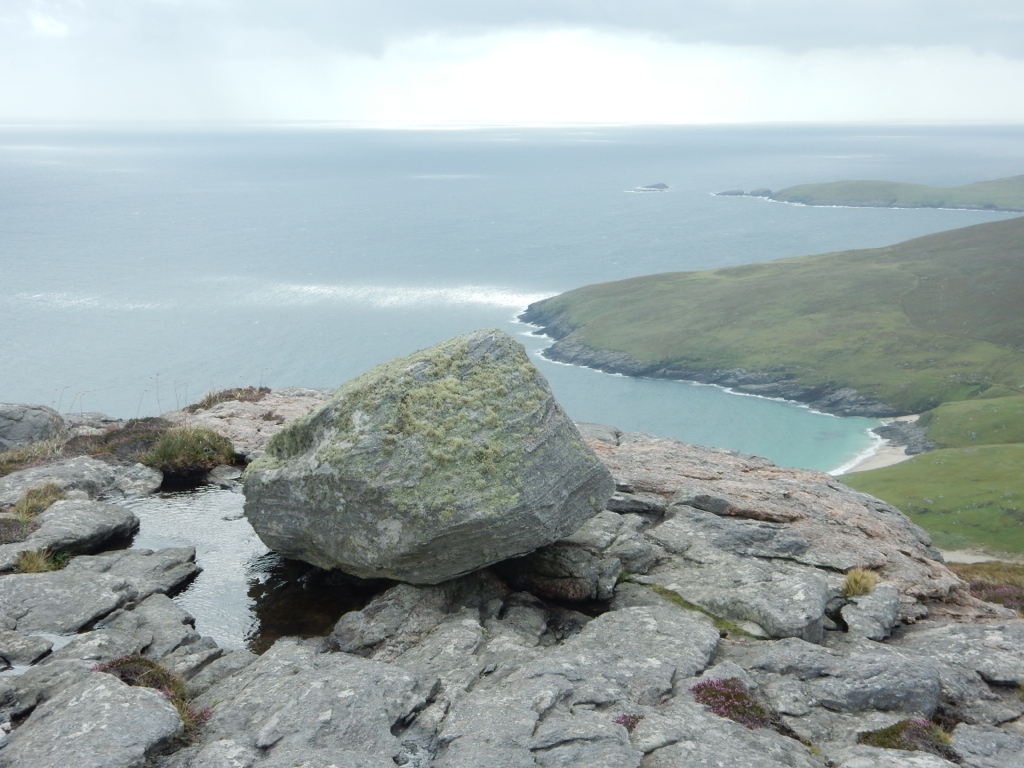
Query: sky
422	63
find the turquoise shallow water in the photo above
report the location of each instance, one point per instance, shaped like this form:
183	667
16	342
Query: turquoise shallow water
140	269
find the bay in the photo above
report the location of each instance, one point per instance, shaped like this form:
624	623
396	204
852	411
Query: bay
142	267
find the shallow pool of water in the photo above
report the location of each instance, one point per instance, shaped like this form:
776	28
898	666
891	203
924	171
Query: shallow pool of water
246	596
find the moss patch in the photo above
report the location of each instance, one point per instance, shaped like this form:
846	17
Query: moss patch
723	625
432	426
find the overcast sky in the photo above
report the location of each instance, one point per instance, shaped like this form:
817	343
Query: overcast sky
471	62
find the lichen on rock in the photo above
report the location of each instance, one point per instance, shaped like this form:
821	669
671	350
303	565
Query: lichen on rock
427	467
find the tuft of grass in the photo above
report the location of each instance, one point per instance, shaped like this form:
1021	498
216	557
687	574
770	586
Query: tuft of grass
187	451
36	501
131	443
914	735
722	625
139	671
730	698
29	456
23	513
243	394
859	581
41	561
995	582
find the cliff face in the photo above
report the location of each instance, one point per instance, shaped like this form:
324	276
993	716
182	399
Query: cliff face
706	571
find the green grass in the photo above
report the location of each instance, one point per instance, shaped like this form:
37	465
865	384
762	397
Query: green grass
36	501
41	561
189	451
996	582
972	423
30	456
964	497
1005	194
914	325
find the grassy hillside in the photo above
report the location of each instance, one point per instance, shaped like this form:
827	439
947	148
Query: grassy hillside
976	422
917	324
962	496
999	194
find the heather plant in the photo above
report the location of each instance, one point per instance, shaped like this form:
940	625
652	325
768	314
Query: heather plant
996	582
914	735
859	581
139	671
730	698
244	394
628	721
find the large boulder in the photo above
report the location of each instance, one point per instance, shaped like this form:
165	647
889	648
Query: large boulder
22	425
428	467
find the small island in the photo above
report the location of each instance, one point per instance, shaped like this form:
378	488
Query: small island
1006	194
659	187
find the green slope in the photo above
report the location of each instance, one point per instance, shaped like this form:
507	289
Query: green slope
963	497
931	320
972	423
999	194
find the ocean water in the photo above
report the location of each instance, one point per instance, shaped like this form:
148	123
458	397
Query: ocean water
140	268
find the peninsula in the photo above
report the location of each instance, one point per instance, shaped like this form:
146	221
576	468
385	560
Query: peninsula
933	325
1006	194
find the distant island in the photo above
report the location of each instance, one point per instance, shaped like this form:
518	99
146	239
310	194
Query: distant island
933	325
659	187
997	195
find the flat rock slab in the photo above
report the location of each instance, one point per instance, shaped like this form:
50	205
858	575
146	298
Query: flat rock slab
428	467
858	678
777	513
250	425
83	473
97	723
91	587
73	525
295	704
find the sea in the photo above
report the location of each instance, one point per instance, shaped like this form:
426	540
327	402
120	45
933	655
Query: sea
142	266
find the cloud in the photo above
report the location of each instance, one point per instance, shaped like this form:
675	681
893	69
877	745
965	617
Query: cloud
411	62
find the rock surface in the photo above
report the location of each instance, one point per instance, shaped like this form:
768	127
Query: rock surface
97	723
22	425
497	667
75	526
249	425
428	467
84	473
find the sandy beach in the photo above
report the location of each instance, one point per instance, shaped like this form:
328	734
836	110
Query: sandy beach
886	454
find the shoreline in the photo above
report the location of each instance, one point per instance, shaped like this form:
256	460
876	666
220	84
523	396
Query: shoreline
885	453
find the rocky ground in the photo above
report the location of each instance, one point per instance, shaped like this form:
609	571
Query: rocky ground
705	565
